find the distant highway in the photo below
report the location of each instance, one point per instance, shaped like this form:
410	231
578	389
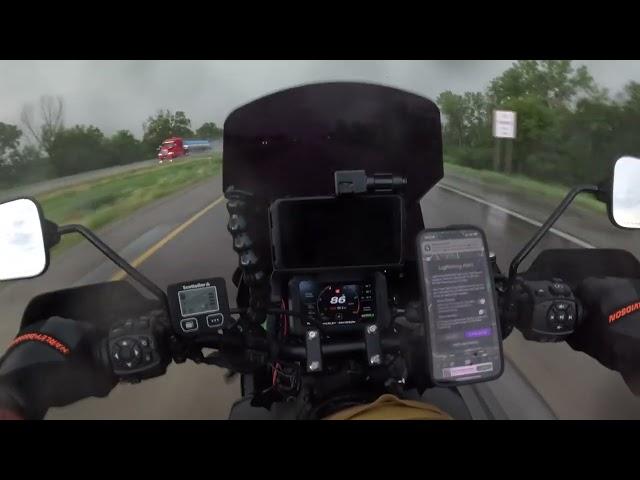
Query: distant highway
71	180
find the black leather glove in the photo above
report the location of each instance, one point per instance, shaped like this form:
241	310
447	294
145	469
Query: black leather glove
610	328
51	364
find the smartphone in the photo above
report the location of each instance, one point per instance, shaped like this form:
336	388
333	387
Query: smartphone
464	340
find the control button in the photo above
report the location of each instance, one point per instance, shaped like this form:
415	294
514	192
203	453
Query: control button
562	317
540	292
557	289
144	342
125	354
561	306
116	353
128	324
215	320
570	317
551	317
189	324
147	358
129	353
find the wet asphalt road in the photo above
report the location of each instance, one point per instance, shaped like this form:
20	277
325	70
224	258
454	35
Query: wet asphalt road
574	385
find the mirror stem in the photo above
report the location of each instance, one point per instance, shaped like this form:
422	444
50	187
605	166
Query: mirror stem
530	245
115	258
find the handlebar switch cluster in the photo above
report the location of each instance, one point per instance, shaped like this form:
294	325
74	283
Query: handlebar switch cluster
544	311
136	348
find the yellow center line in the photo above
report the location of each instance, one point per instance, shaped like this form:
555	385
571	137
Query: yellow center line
120	274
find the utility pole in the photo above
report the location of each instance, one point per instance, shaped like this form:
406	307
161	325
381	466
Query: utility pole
496	154
508	160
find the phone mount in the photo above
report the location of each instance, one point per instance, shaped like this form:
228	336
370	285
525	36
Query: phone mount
349	182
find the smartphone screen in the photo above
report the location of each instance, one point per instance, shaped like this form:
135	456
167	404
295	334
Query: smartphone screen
459	298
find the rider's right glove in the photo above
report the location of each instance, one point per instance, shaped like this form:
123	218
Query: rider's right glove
610	327
51	364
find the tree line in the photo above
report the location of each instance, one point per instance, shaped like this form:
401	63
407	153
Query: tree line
569	129
42	147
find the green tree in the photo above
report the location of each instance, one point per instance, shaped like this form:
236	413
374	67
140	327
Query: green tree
567	124
79	149
9	138
163	125
124	148
209	131
19	165
544	95
555	82
9	142
30	166
454	110
477	120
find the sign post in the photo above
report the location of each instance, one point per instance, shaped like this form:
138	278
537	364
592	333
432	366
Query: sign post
504	126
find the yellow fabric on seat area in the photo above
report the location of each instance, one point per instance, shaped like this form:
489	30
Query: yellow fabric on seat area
390	407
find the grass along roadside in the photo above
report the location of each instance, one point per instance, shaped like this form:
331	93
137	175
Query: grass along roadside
526	185
96	204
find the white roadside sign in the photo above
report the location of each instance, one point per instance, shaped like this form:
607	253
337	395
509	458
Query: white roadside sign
504	124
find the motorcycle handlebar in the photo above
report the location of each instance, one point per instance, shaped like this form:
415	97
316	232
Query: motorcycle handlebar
297	352
408	321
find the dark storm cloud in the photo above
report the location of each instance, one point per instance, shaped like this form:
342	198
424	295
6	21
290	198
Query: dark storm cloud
122	94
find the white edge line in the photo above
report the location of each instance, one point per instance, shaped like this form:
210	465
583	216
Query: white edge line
531	221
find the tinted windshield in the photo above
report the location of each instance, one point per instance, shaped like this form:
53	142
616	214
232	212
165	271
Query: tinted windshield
290	143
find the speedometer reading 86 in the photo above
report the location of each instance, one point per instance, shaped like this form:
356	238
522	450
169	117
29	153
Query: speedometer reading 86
339	303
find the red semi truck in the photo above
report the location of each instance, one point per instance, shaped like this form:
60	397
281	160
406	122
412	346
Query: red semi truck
171	148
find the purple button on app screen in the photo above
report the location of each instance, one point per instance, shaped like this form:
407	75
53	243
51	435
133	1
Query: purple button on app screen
481	332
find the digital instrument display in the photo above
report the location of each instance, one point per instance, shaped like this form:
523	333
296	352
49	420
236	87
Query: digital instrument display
198	300
330	232
338	303
461	314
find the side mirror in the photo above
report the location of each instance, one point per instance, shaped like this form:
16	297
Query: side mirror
23	252
624	206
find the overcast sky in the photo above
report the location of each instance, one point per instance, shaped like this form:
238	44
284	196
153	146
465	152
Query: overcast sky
115	95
